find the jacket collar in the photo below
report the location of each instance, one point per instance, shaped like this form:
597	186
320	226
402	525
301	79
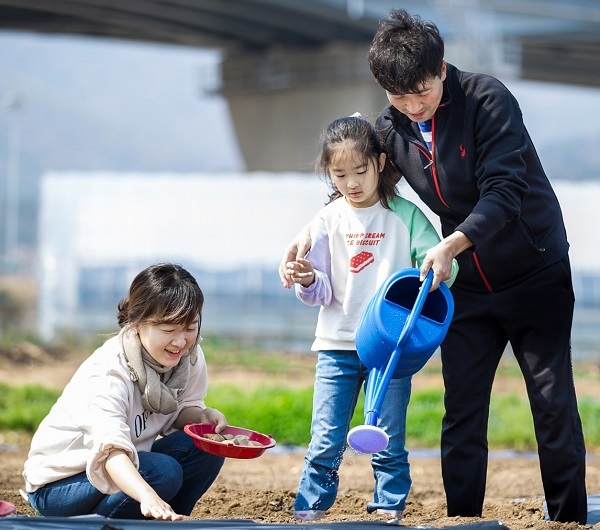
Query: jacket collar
452	90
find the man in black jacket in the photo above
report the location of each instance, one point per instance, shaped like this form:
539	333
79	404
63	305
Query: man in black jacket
459	140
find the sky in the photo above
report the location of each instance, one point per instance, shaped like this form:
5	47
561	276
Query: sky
91	103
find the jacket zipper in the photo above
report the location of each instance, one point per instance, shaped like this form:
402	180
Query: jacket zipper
430	157
436	183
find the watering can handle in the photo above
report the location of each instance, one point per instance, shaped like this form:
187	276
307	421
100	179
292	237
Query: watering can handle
416	310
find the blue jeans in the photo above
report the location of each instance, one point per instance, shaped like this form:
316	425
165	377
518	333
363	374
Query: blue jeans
176	469
339	378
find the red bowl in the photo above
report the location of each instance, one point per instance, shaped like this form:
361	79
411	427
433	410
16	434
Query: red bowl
196	430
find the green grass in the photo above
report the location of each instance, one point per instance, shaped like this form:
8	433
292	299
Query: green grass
23	408
281	412
225	352
285	413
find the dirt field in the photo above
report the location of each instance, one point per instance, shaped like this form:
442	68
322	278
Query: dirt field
263	489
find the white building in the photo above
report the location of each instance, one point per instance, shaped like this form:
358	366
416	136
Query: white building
97	230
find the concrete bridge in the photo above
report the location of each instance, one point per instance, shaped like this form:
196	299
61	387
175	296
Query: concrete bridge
290	66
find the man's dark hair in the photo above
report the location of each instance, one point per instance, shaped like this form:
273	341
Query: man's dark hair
405	53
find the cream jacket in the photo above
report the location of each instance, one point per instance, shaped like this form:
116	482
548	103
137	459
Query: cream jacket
99	410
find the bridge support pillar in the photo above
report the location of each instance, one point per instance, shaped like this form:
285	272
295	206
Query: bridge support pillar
281	100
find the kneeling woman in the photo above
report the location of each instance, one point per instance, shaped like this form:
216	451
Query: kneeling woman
113	443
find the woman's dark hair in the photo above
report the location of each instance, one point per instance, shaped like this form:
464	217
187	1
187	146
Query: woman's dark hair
163	293
406	52
357	134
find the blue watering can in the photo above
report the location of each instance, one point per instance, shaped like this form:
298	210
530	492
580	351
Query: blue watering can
399	331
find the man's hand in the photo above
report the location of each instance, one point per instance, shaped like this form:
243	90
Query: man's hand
439	258
297	249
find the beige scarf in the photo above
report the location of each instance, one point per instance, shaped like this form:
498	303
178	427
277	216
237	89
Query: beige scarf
161	387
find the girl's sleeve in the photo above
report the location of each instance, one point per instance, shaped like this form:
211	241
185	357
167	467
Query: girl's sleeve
423	234
319	292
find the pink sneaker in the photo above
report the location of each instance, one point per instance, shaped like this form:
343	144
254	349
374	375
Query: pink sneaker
309	515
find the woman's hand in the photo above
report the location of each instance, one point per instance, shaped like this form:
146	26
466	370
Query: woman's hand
128	479
215	417
151	505
200	415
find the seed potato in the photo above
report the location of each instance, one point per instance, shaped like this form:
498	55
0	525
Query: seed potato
229	439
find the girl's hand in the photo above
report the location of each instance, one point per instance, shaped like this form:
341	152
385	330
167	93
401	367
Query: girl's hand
298	248
300	271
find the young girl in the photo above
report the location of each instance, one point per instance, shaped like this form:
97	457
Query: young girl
359	239
98	451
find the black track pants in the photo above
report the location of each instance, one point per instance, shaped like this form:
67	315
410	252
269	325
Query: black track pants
535	317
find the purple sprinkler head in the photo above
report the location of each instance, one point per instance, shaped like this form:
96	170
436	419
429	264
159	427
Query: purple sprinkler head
368	439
